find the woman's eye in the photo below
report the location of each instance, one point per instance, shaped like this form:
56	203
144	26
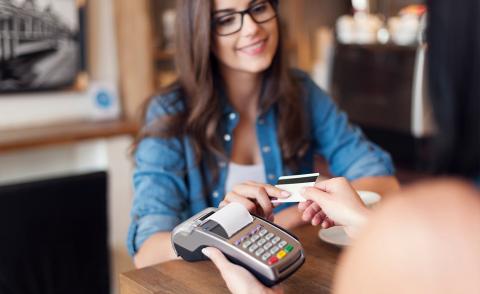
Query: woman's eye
226	20
260	8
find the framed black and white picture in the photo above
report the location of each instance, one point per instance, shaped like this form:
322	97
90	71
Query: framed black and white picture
42	45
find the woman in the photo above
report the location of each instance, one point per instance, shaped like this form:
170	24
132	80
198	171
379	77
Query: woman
426	238
236	120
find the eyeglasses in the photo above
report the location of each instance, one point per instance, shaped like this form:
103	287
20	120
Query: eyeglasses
233	22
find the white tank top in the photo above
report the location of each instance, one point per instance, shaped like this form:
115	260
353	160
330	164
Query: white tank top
238	173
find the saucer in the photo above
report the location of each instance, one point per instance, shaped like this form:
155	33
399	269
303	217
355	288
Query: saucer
369	198
336	235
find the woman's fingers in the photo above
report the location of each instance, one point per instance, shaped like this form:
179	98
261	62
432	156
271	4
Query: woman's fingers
223	203
317	219
326	224
310	212
258	193
272	191
304	205
271	218
217	257
234	197
315	195
329	223
333	184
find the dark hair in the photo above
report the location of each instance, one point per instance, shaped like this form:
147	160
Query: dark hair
199	82
454	70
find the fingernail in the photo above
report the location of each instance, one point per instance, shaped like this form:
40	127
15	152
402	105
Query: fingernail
285	193
205	252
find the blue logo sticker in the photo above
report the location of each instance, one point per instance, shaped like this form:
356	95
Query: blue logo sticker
103	99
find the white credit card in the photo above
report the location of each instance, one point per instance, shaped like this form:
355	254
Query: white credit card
295	184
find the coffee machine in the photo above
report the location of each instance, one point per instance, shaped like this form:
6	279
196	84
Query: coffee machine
383	88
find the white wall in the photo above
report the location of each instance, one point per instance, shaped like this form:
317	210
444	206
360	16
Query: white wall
120	198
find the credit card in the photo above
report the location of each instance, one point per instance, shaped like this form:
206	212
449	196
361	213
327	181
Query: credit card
294	184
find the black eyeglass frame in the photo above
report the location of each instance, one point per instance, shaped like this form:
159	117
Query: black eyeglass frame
247	11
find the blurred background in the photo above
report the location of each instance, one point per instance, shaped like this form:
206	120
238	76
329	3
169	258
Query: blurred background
74	75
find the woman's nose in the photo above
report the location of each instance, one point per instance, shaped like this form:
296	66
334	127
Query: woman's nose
250	27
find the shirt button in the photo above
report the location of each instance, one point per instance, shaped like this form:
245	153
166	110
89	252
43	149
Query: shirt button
271	176
261	121
215	194
266	149
222	164
227	137
232	116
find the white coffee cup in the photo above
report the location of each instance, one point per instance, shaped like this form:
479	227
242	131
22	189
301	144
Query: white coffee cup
369	198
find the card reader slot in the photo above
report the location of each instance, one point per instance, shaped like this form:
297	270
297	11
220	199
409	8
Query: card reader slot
288	265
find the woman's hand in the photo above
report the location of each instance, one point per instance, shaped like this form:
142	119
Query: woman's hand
256	197
238	279
339	203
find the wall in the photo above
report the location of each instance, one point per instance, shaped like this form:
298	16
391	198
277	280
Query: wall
111	155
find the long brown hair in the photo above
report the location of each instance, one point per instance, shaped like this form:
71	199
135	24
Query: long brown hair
198	87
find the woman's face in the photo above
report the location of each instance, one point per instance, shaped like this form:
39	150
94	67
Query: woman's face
252	47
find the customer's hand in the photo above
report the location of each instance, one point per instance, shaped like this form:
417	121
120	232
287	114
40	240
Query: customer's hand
256	197
338	201
238	279
313	213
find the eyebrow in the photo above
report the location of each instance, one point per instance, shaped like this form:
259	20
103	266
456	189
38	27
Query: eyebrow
233	10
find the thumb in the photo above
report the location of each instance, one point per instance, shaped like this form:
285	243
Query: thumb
217	257
316	195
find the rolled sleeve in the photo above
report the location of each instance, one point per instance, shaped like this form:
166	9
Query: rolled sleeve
141	229
376	162
159	180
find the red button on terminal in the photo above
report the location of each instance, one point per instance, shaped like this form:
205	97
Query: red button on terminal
272	260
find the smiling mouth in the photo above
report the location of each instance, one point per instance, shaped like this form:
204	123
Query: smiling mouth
254	48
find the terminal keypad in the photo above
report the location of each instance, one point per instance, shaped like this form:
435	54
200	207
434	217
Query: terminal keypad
264	245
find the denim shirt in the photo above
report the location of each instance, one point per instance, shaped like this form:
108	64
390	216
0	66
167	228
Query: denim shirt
168	184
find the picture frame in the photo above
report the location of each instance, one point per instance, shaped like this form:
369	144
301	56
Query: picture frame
43	45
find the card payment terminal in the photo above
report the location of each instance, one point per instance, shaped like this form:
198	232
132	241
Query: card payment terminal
269	252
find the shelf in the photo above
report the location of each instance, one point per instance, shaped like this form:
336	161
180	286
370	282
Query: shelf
380	47
13	140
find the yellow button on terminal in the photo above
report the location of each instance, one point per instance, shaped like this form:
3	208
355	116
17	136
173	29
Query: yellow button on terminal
281	254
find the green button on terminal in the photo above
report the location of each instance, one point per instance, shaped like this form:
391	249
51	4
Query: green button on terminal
288	248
